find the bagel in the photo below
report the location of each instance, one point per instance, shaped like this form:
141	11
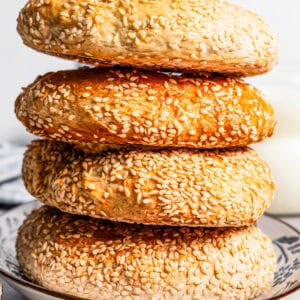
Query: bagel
149	108
96	259
191	36
184	187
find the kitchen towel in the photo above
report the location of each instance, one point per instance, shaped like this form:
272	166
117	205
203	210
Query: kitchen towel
12	190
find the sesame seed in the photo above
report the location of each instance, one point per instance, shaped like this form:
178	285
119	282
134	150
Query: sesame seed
147	201
91	186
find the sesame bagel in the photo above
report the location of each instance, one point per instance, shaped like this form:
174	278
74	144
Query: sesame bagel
190	36
149	108
96	259
184	187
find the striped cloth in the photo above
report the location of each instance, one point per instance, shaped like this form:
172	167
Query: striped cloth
12	190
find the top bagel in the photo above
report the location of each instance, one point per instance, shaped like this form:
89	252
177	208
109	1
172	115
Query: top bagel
191	35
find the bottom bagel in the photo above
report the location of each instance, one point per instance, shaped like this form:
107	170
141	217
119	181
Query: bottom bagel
96	259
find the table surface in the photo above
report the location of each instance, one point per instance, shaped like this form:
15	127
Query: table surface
9	293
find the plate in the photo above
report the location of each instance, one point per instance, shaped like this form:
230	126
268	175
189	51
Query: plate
286	241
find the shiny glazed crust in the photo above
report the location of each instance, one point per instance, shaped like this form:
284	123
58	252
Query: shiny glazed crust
181	187
149	108
191	35
96	259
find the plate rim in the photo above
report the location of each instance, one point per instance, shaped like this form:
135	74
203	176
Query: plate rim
28	284
277	218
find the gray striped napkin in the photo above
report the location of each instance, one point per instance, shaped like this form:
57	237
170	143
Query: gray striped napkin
12	190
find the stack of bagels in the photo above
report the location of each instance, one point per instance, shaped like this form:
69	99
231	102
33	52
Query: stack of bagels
150	190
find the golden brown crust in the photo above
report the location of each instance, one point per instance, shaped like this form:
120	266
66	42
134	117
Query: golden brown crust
96	259
192	36
168	187
150	108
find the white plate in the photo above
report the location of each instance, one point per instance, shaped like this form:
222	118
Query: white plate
286	240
